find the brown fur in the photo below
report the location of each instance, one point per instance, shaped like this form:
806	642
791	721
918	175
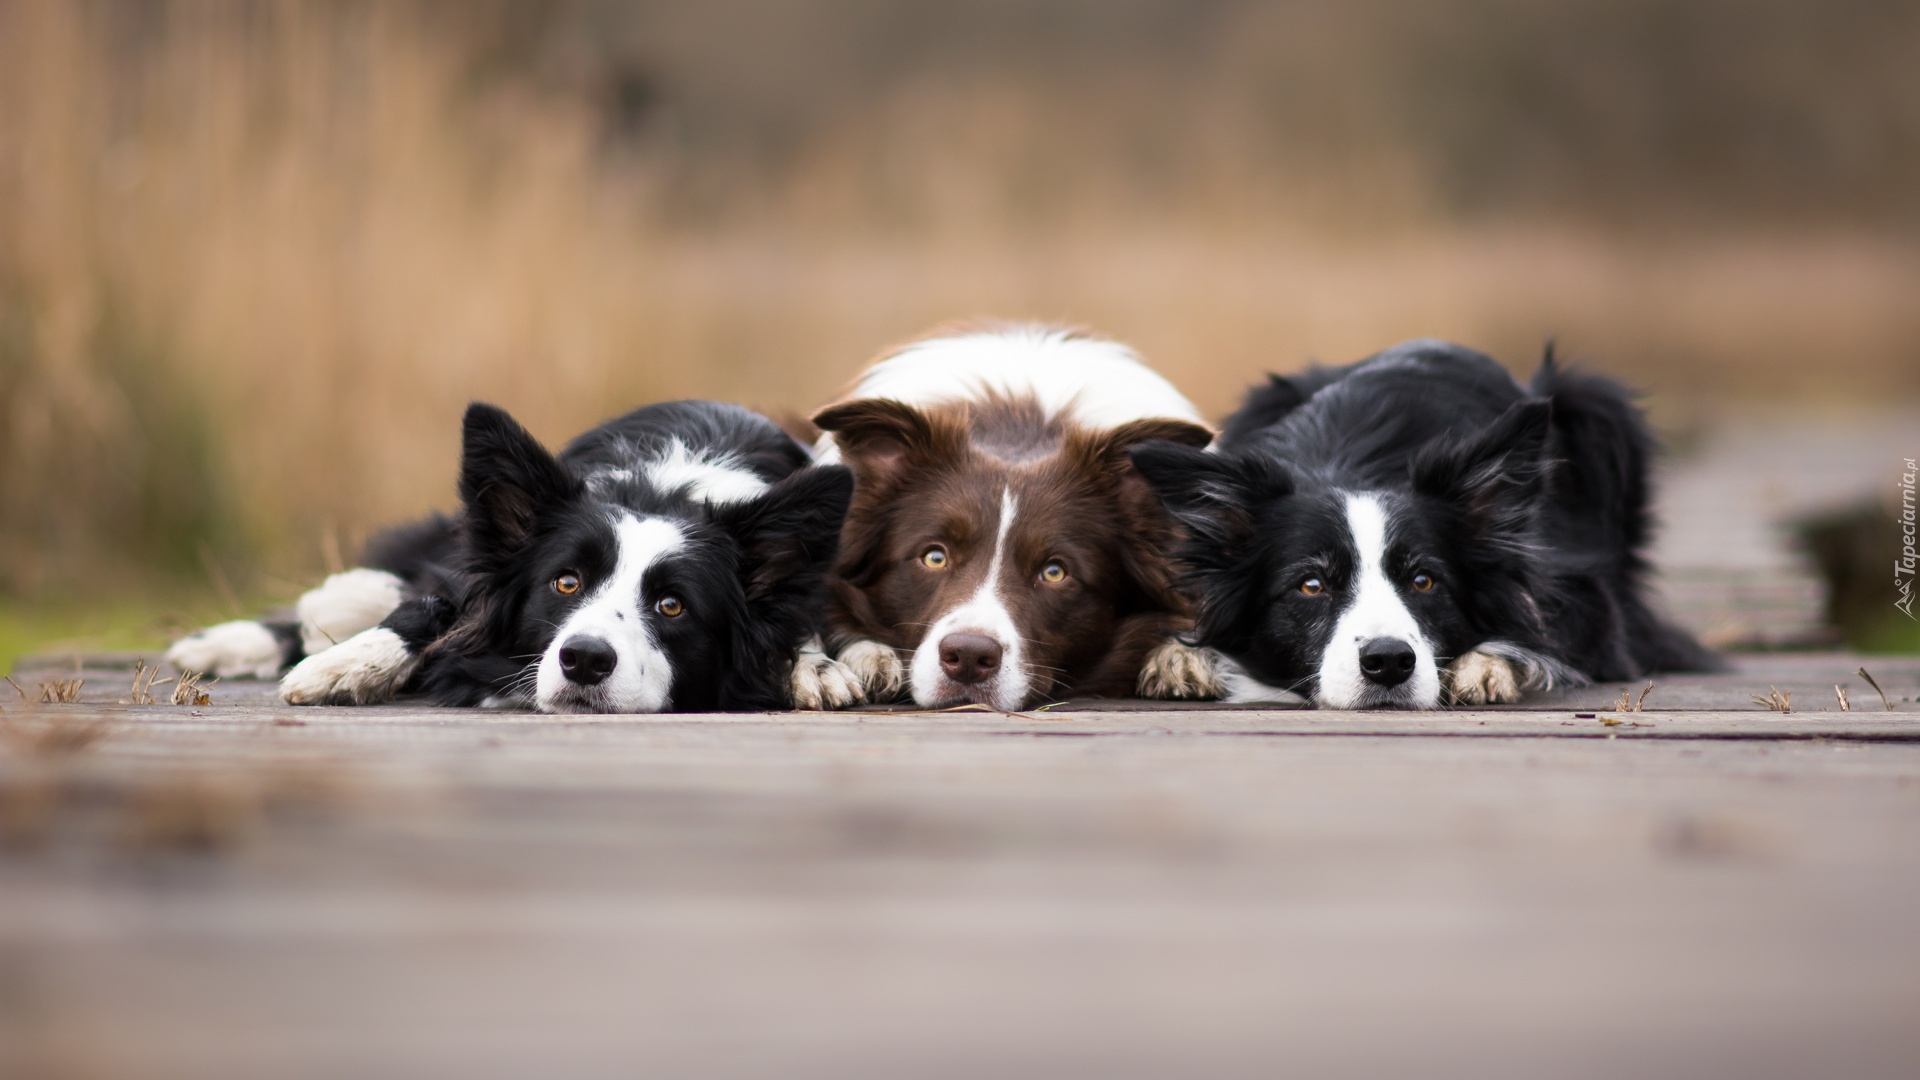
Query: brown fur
936	475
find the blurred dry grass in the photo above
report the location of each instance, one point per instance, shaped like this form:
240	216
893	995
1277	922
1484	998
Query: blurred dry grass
255	257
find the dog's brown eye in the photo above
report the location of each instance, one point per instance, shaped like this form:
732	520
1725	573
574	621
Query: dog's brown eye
934	558
670	606
1053	573
566	584
1312	586
1422	583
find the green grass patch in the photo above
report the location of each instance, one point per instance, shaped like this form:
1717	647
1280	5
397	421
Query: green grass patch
140	624
1893	633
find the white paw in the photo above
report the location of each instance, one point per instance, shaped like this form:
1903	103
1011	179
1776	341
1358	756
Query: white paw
821	682
231	650
344	605
1479	678
877	667
364	669
1177	672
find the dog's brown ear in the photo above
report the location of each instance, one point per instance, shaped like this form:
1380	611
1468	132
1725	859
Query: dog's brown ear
1107	452
1148	530
882	439
1129	435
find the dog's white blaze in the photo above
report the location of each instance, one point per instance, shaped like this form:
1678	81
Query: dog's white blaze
1375	610
985	612
1101	384
614	612
344	605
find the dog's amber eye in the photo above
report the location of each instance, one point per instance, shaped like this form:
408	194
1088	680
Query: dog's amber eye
934	558
670	606
1053	573
1312	586
566	584
1422	583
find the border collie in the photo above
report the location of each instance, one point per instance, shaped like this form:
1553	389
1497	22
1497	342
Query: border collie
669	560
1000	548
1417	526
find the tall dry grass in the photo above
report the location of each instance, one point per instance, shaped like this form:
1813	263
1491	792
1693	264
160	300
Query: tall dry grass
255	258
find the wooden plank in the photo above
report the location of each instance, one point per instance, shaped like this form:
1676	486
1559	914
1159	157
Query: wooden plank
246	889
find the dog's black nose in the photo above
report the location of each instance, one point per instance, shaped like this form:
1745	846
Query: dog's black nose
1386	661
587	660
969	658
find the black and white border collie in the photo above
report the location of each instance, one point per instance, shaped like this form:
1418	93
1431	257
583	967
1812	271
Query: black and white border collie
1419	527
1001	549
672	559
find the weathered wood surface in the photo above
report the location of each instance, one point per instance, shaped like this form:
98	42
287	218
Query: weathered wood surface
248	890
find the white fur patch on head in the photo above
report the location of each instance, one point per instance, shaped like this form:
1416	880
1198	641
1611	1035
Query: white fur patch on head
365	669
1374	609
983	613
344	605
1100	384
709	477
230	650
616	613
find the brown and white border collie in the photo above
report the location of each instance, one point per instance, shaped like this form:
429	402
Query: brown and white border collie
1000	548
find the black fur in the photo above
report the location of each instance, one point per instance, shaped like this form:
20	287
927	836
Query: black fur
1529	508
749	573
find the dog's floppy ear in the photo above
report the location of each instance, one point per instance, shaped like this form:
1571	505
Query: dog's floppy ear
1213	495
506	479
1494	476
882	439
788	538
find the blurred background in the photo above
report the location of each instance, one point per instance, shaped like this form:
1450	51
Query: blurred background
256	257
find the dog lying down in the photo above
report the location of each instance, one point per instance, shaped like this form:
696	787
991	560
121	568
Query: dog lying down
671	559
1418	527
1001	549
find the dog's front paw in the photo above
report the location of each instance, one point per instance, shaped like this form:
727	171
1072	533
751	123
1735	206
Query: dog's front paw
821	682
231	650
1177	672
344	605
365	669
1479	678
877	667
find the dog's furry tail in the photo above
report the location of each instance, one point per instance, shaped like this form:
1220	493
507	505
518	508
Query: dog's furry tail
1606	450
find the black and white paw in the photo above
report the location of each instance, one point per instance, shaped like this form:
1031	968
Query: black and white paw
876	668
344	605
367	668
821	682
243	649
1483	678
1501	673
1177	672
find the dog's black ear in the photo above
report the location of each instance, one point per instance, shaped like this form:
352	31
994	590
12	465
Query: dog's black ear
1213	495
788	538
1495	476
506	479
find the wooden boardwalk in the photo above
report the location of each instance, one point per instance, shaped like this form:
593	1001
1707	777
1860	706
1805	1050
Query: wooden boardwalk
247	890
